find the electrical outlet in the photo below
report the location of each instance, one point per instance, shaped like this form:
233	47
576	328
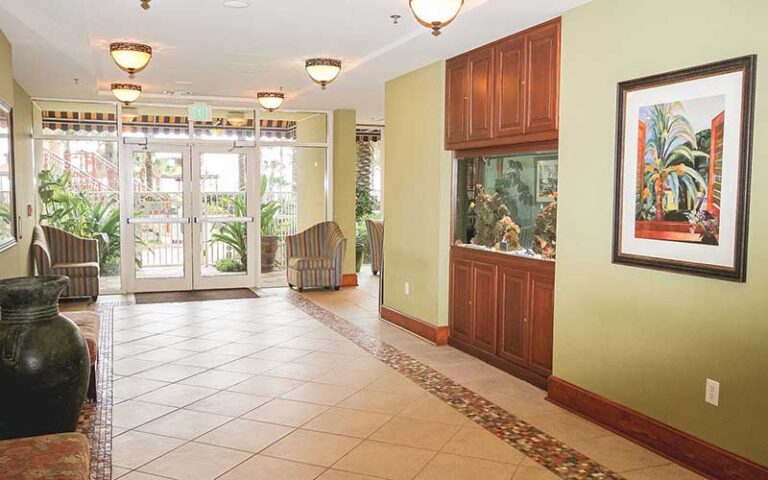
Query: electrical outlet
407	288
712	395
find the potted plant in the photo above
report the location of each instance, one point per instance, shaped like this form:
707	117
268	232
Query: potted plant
233	235
269	238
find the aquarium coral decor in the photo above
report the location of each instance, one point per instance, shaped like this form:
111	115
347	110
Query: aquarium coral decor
545	231
489	211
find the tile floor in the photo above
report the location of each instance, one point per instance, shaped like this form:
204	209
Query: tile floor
257	389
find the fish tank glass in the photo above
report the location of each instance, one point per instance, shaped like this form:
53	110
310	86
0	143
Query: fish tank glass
508	203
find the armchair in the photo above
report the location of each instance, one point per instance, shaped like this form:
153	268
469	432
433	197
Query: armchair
58	252
315	257
376	243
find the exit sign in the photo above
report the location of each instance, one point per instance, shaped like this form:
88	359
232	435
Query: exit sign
199	112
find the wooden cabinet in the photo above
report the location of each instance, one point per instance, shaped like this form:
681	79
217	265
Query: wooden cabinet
502	311
505	93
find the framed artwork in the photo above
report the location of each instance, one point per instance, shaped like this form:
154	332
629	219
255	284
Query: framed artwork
546	180
683	155
8	227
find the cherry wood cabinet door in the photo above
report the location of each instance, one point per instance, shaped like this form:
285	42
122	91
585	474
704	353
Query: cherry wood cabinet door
481	81
456	101
484	305
513	305
461	299
541	322
509	101
543	78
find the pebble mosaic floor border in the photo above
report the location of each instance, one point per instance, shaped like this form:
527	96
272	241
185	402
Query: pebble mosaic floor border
541	447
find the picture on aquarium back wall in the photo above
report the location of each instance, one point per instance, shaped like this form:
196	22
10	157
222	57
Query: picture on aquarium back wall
683	161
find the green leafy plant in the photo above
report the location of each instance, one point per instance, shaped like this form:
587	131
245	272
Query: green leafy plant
229	265
233	235
269	224
77	213
366	203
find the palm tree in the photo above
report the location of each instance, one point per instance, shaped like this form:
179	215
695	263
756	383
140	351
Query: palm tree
672	149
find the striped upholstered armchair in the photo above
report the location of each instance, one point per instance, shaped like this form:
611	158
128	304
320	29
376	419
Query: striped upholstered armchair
376	243
58	252
315	257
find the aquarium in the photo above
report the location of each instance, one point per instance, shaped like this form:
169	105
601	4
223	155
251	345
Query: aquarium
507	203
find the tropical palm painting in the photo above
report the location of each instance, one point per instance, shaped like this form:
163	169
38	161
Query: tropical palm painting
680	147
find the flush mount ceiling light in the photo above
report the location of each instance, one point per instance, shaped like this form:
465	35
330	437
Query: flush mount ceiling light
323	70
236	119
236	4
270	101
436	14
130	57
145	4
126	93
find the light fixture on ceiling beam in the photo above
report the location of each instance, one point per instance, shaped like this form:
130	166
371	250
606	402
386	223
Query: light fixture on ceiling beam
130	57
270	101
145	4
323	70
126	93
436	14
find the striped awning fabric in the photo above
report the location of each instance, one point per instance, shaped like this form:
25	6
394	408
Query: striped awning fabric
368	134
59	122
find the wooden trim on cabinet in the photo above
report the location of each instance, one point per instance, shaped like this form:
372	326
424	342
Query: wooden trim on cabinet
546	146
427	331
698	455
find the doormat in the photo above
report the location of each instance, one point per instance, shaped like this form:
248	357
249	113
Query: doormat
195	296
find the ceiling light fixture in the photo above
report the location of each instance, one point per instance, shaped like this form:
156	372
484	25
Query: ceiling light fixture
270	101
236	119
126	93
236	4
130	57
323	70
145	4
436	14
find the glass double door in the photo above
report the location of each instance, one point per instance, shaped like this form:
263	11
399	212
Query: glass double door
190	214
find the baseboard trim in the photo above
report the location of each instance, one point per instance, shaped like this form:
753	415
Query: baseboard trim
349	280
693	453
436	335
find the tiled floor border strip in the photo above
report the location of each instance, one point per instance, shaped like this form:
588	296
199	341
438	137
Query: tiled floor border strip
541	447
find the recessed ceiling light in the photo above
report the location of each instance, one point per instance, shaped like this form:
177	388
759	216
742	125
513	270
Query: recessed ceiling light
236	4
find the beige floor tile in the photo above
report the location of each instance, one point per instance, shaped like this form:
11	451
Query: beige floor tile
131	414
118	472
352	423
339	475
327	359
195	461
206	360
130	387
170	373
246	435
617	453
567	427
198	345
396	383
219	379
268	386
230	404
137	476
454	467
184	424
383	460
666	472
279	354
315	448
541	473
254	366
378	402
431	408
164	355
268	468
176	395
480	443
131	366
413	432
347	378
133	449
320	393
298	371
286	412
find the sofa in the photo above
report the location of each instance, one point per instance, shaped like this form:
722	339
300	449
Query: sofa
315	257
375	243
57	252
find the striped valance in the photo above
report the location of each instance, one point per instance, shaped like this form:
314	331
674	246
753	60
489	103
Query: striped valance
368	134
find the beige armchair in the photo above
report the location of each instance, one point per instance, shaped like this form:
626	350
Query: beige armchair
315	257
57	252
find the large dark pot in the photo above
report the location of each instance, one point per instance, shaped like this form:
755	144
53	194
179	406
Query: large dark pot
268	253
44	363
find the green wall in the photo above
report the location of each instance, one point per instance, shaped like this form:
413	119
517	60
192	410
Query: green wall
417	180
16	261
649	339
344	163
